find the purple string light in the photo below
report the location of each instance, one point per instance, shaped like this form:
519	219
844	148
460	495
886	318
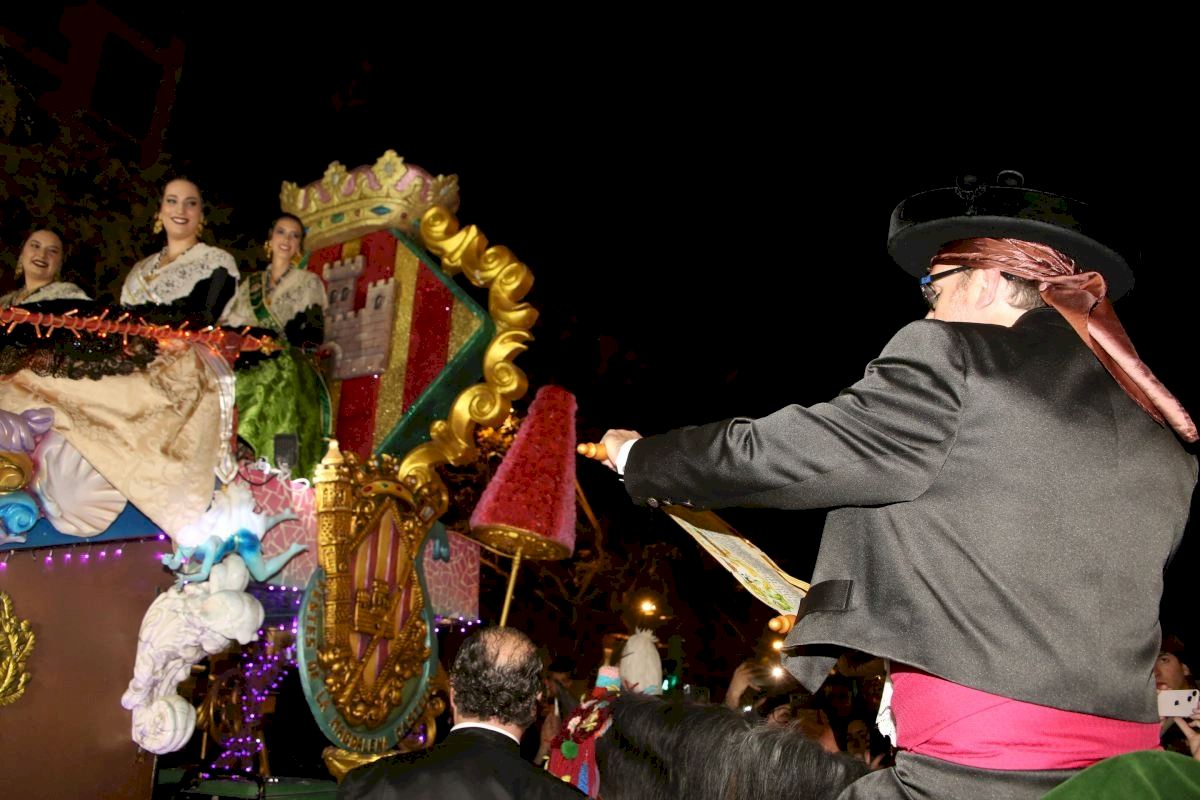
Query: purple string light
263	671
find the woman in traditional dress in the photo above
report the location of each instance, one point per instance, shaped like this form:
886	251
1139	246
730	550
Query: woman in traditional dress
51	352
283	393
157	420
188	280
40	264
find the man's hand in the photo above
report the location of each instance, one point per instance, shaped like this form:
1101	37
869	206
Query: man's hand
613	441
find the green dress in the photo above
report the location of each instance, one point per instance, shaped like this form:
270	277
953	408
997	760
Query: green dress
283	393
1142	775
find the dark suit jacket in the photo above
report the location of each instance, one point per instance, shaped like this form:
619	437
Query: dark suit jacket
1003	512
472	764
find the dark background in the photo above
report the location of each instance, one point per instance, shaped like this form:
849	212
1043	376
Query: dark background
703	203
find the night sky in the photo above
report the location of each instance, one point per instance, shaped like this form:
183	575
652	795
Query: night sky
704	207
706	223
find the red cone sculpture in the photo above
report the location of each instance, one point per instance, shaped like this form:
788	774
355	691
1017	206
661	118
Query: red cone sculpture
528	508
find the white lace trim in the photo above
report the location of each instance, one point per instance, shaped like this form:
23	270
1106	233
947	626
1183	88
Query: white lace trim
146	283
57	290
298	290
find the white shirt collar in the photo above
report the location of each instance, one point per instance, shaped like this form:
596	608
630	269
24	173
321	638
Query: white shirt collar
486	727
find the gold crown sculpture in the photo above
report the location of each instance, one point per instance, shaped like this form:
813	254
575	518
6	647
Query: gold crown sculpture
346	204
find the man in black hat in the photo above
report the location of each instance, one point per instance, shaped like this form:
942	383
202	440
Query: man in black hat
1006	483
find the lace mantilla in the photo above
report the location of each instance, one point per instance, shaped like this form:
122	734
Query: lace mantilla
56	290
148	283
298	291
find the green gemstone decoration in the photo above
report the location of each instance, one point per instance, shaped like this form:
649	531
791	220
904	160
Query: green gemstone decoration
569	749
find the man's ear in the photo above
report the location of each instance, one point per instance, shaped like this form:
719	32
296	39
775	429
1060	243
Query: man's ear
989	287
453	708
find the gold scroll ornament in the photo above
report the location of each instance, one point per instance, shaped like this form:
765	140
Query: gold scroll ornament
16	643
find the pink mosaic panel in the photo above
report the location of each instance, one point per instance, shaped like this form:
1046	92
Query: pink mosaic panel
272	496
454	586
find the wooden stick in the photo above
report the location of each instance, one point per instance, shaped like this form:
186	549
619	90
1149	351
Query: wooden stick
512	582
587	508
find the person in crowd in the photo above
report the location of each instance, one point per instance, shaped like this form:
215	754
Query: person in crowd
987	448
748	685
839	701
283	394
560	679
39	268
494	688
188	280
1171	673
655	748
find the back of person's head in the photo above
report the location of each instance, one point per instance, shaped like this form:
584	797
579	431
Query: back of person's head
776	708
776	762
664	748
631	755
562	665
657	748
497	676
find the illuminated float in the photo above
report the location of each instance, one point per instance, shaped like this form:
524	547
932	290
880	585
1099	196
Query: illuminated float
356	570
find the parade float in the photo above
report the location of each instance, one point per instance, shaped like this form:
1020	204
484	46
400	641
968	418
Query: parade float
142	609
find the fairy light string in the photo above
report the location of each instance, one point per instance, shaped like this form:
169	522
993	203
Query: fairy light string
227	342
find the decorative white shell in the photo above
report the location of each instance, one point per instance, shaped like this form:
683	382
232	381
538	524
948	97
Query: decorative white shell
165	725
75	498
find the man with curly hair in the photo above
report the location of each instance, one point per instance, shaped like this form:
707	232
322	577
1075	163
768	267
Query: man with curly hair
495	684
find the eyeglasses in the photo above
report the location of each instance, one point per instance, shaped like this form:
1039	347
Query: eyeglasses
930	294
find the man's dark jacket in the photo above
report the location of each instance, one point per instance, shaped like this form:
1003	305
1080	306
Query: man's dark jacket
472	764
1002	512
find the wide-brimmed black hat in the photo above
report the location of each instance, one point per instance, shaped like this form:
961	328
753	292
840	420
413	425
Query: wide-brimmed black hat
1005	208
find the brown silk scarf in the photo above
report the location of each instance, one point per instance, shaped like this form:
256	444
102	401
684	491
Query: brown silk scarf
1081	297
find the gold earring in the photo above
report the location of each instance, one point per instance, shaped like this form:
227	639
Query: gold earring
158	224
20	268
267	249
200	227
296	259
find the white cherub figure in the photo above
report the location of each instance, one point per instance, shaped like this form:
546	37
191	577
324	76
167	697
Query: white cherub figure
230	525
